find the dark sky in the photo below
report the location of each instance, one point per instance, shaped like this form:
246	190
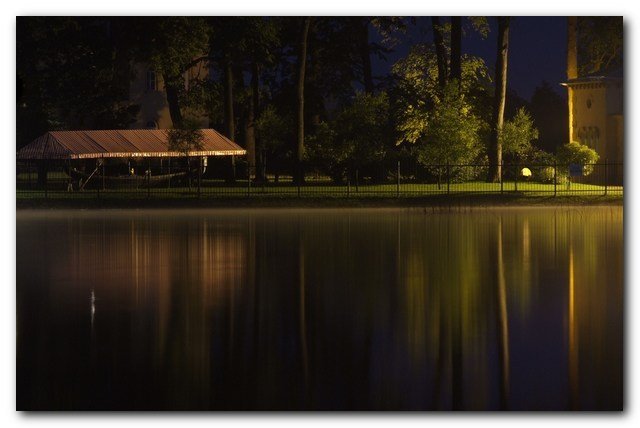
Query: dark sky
537	50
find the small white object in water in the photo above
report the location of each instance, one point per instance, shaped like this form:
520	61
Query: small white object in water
93	305
526	172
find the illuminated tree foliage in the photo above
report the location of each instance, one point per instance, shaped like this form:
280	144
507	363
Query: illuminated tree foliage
576	153
358	137
517	135
451	133
599	44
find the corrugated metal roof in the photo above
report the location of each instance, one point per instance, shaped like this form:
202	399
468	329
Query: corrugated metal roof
120	143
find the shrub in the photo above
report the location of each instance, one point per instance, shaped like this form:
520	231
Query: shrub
576	153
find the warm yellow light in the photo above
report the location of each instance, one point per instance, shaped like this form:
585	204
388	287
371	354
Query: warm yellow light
526	172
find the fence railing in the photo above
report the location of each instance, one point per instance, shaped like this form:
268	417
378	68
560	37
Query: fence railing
62	180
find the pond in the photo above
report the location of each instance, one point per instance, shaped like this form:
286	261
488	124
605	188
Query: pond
326	309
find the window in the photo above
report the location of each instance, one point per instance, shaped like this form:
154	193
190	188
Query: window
152	84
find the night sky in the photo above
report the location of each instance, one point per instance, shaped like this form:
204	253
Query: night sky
537	50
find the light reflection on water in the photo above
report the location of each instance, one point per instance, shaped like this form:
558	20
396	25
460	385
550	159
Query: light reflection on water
331	309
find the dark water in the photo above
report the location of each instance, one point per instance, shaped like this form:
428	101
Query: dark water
331	309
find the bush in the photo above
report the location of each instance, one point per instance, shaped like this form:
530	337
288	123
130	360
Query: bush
546	174
576	153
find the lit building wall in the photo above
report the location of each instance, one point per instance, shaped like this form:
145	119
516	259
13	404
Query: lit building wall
148	91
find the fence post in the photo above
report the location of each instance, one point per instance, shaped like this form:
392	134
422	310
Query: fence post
357	181
501	177
448	177
46	179
555	178
199	175
605	177
102	172
299	178
398	182
248	180
148	178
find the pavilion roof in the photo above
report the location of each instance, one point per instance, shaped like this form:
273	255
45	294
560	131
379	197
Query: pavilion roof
121	143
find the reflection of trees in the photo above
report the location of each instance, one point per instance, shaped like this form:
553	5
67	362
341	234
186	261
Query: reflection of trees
503	325
348	310
595	292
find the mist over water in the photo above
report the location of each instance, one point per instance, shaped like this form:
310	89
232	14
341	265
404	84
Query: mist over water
347	309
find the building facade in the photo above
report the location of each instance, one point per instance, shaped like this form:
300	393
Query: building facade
596	115
148	91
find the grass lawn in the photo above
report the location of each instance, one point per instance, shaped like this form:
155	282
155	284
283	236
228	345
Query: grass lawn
326	189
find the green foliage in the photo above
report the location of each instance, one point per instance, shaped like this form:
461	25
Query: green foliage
357	137
273	130
444	125
74	74
517	135
479	24
187	138
205	96
451	132
576	153
170	44
600	44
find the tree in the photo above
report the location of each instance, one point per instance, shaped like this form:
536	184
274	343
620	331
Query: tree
600	44
495	146
416	91
72	73
185	139
441	51
456	48
451	134
172	46
273	131
357	138
517	135
302	61
576	153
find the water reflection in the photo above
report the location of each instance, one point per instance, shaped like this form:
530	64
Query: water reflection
337	309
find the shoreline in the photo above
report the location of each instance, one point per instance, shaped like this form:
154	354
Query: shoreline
444	202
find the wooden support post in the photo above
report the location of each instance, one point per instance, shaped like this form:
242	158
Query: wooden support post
248	180
555	178
605	178
398	181
199	175
357	190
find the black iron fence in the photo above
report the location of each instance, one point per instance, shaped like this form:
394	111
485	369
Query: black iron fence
193	179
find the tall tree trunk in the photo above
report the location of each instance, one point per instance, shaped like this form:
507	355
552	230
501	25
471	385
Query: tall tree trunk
441	53
495	145
229	118
254	152
171	88
302	61
572	68
365	55
456	48
312	87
